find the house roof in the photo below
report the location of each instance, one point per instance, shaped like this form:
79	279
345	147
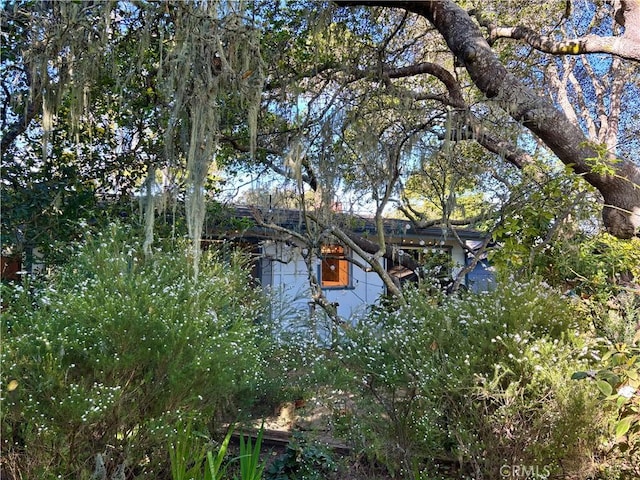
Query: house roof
248	221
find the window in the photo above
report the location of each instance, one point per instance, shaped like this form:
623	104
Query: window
438	261
435	261
334	272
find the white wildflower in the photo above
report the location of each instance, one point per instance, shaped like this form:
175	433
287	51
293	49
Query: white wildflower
626	391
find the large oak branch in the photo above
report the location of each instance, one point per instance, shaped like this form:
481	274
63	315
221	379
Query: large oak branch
626	46
620	46
620	187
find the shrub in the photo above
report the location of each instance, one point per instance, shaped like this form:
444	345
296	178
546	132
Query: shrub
472	383
604	273
118	349
303	460
618	382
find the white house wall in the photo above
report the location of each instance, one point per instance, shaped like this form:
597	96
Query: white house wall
287	282
285	274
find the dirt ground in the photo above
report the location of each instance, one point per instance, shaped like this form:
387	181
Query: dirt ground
315	420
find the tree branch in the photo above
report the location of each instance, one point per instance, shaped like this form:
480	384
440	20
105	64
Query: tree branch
418	221
453	87
626	46
18	127
620	46
618	180
310	178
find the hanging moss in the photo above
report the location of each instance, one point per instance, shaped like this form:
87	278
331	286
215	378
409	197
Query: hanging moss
215	54
208	58
149	207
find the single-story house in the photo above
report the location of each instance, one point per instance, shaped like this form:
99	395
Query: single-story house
286	248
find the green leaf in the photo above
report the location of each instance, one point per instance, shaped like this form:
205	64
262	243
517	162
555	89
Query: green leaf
604	387
609	377
214	469
250	466
579	376
623	425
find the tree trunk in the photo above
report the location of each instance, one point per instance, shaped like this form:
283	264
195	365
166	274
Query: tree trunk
619	186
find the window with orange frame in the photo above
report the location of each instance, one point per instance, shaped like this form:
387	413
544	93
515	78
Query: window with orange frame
335	270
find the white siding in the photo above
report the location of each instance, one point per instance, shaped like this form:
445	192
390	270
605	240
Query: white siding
285	274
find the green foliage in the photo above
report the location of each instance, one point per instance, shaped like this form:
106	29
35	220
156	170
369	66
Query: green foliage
58	180
618	382
251	467
191	460
602	163
597	267
303	460
600	274
475	381
623	363
55	203
118	348
445	186
603	272
223	219
535	217
113	96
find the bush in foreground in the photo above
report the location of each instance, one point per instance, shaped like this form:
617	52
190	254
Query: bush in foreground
99	365
469	384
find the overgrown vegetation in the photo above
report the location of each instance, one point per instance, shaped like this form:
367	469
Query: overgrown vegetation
104	361
132	356
476	381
